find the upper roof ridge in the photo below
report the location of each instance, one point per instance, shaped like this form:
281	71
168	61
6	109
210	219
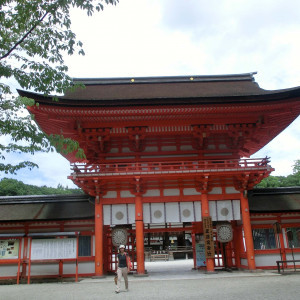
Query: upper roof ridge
165	79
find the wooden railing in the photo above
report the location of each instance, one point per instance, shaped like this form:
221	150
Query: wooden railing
169	167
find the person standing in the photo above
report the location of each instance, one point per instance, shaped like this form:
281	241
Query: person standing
123	268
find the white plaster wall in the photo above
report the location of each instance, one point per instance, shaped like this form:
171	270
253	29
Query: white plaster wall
114	150
146	213
172	212
168	148
244	262
86	267
216	191
118	211
187	211
171	192
157	213
289	256
190	192
112	214
186	147
131	213
151	149
69	268
93	249
110	194
231	190
232	206
266	260
152	193
126	194
126	150
223	146
9	270
44	269
198	213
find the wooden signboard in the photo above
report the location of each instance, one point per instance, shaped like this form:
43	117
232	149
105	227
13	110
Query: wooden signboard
208	237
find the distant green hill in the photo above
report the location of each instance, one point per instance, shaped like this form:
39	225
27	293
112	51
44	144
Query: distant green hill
13	187
283	181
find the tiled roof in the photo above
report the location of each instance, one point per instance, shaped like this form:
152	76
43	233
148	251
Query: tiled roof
68	207
166	90
274	199
44	207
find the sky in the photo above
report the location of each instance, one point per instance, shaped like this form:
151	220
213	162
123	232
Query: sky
192	37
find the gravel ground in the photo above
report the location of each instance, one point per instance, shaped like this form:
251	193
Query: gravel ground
168	281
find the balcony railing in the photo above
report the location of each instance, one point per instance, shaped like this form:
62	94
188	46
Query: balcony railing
169	167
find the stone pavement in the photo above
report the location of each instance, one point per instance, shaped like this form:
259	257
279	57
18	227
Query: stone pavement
168	280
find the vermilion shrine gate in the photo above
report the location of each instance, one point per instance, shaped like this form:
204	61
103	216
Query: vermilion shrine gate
165	153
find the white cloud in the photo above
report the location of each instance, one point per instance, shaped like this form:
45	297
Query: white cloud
53	170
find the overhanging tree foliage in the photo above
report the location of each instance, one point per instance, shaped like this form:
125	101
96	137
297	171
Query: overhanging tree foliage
34	37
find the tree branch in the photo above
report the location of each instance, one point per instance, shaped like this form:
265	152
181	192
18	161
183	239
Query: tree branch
25	36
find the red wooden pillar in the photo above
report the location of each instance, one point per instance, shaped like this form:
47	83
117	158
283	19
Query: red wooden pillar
248	232
205	213
99	258
237	237
194	250
139	227
25	252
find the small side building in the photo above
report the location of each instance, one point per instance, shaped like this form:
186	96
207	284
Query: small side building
54	236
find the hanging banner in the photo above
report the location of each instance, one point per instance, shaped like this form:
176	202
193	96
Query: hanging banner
208	237
9	249
53	248
200	255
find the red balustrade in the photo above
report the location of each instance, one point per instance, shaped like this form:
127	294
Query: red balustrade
180	167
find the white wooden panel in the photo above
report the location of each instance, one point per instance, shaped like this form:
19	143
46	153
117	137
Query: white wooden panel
190	191
198	214
126	150
157	213
110	194
125	194
236	209
212	210
231	190
244	262
216	191
86	267
223	146
146	212
131	213
187	212
69	268
171	192
152	193
186	147
42	269
8	270
265	260
151	149
224	210
168	148
119	214
172	212
107	214
114	150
